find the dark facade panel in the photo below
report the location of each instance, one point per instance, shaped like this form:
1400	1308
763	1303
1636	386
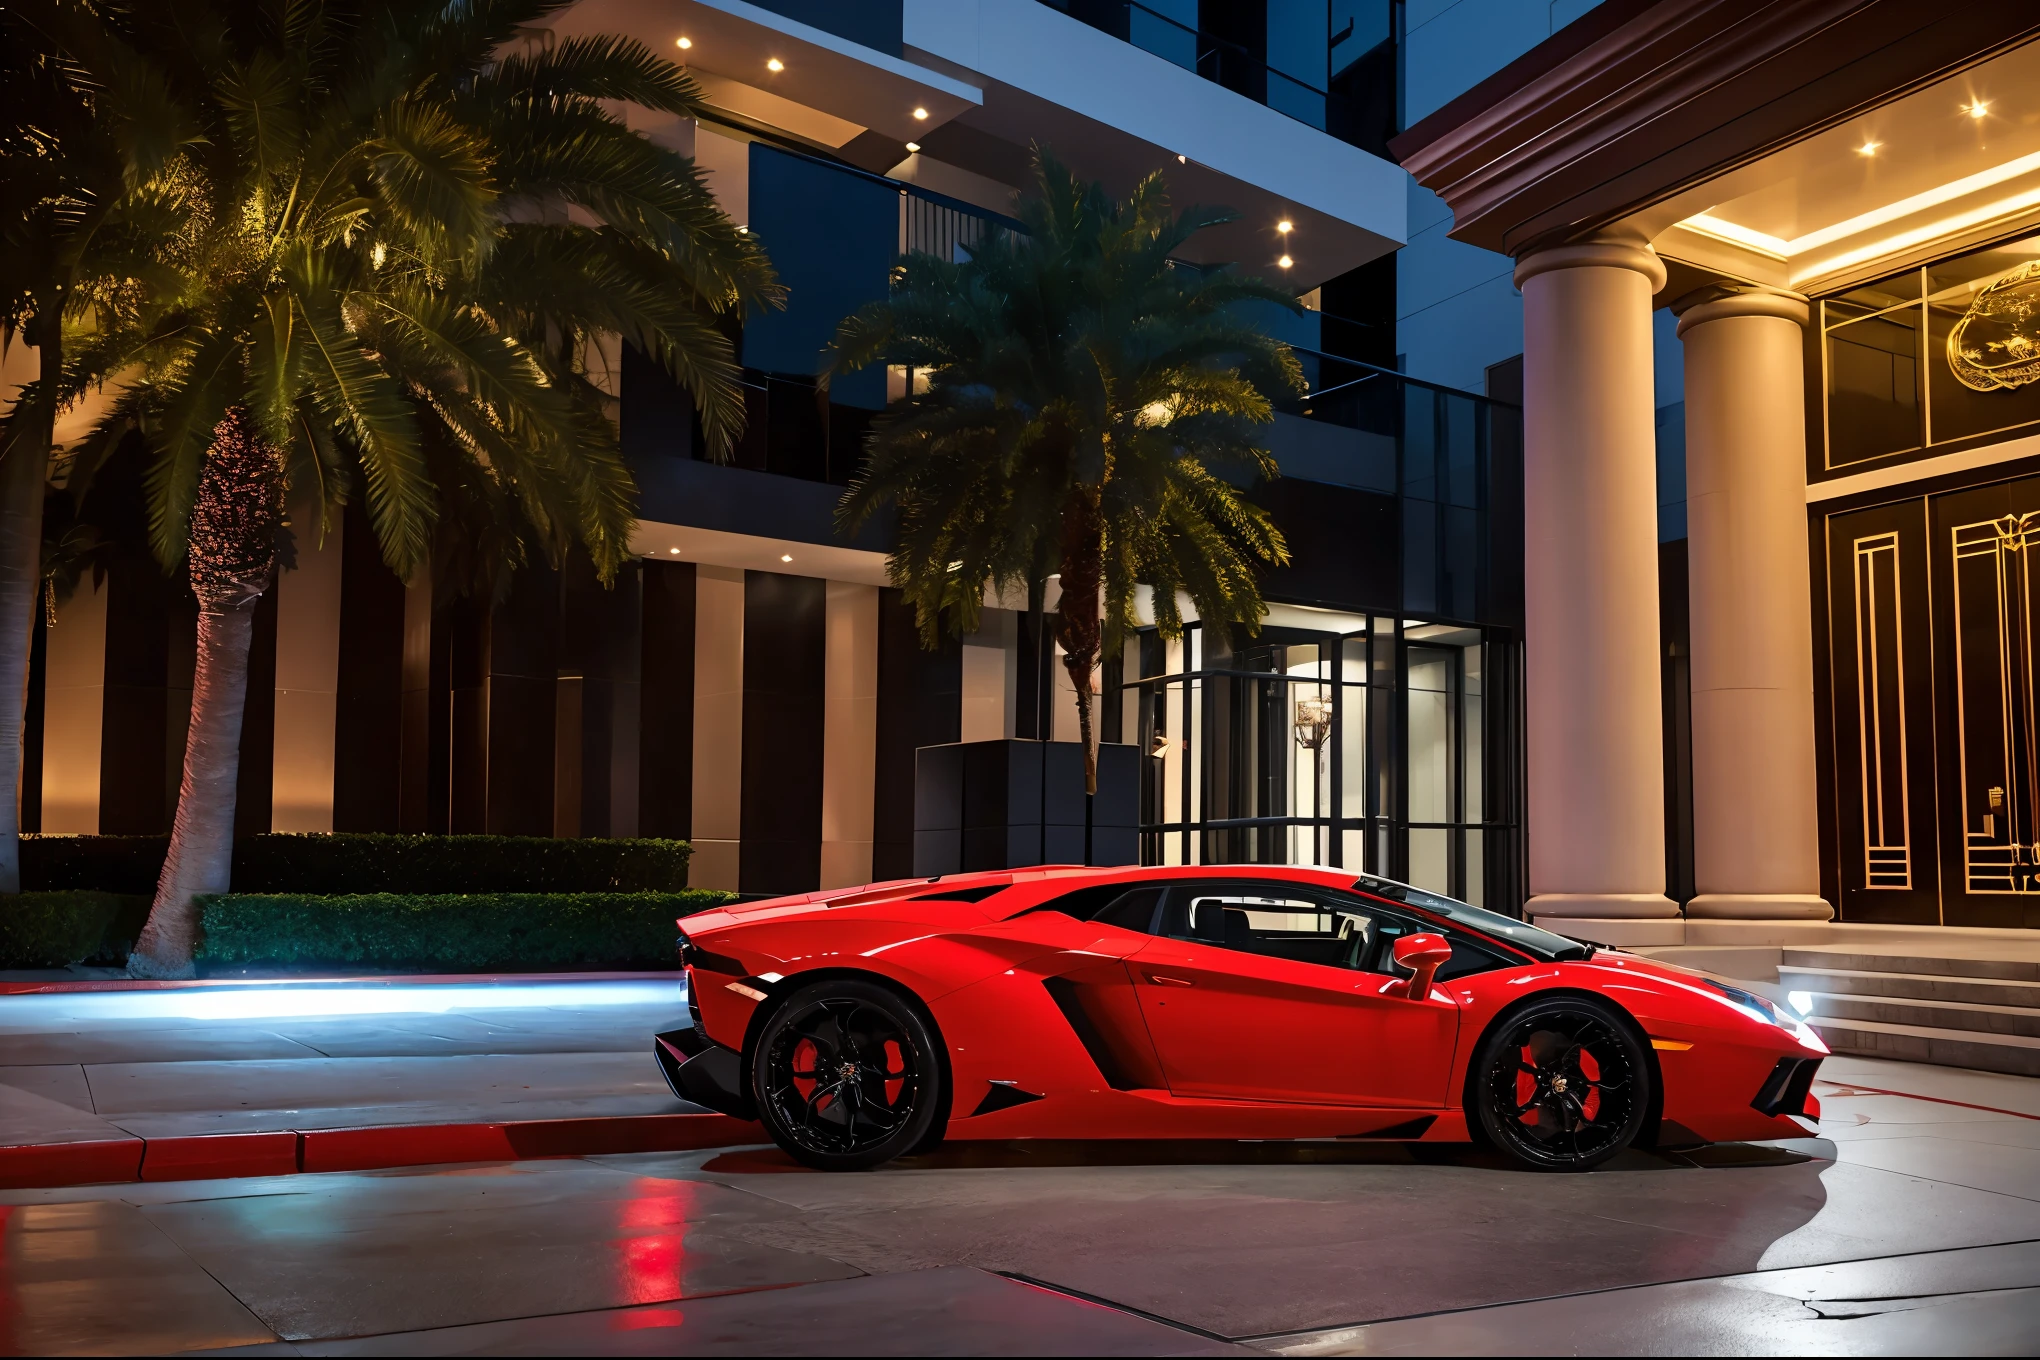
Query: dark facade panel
151	641
785	648
255	780
920	696
737	500
368	717
666	750
1343	545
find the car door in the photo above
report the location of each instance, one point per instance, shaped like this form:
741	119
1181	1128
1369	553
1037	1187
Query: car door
1268	991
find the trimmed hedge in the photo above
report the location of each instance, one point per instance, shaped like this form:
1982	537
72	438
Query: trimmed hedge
450	933
371	862
56	929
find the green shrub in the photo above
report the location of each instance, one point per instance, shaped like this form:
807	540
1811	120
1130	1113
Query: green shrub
371	862
448	932
54	929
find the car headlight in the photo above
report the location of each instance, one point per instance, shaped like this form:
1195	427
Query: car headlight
1771	1013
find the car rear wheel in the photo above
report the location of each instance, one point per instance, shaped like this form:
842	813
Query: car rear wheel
1562	1084
847	1076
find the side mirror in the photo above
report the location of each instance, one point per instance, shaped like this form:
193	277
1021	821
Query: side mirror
1423	955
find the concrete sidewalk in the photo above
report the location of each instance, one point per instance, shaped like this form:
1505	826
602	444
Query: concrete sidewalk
212	1076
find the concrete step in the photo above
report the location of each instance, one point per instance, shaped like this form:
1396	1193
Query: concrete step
1929	986
1976	963
2013	1053
1894	1010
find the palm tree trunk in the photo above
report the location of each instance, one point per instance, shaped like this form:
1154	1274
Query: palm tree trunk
22	470
202	839
1082	573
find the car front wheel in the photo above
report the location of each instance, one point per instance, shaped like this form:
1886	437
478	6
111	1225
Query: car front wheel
846	1075
1562	1084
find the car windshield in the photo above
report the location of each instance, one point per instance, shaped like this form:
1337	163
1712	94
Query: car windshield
1541	943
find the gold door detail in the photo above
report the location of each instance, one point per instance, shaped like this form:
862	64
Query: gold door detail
1995	701
1880	714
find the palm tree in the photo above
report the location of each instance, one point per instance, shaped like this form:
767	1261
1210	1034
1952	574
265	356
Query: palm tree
1092	406
83	204
407	234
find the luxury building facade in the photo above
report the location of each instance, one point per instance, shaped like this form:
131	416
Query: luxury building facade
1834	204
753	684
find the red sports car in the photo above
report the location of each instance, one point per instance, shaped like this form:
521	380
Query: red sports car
1221	1001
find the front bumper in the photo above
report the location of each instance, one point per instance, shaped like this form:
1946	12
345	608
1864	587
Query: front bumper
1788	1090
702	1072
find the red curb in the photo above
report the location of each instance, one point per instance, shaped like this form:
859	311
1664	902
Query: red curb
378	980
210	1156
33	1166
227	1155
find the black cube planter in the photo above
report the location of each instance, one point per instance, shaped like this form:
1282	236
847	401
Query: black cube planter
1008	804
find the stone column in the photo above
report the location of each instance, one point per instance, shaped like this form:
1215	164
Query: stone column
1592	688
1755	842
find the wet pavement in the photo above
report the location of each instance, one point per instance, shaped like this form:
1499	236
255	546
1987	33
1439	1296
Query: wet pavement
1911	1226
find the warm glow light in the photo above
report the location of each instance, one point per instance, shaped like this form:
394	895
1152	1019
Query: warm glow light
683	43
920	113
913	146
1182	160
1977	108
1285	226
786	557
674	551
1285	262
775	65
1869	148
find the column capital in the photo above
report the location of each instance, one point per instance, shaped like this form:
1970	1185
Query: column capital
1594	255
1718	301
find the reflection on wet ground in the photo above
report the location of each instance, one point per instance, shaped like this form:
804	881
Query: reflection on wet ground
1911	1225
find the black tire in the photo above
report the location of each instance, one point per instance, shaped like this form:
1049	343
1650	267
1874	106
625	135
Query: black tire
847	1076
1561	1084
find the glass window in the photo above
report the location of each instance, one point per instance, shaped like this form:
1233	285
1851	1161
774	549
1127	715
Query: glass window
1873	376
1274	923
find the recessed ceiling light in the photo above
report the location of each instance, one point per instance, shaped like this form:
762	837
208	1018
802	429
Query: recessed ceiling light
1285	226
786	557
1869	147
913	146
1285	262
683	43
1977	108
674	551
775	64
920	113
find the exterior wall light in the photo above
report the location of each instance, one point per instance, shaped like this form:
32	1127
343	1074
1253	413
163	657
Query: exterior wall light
674	551
921	114
786	557
1285	226
1869	147
913	146
1284	262
775	64
1977	108
683	43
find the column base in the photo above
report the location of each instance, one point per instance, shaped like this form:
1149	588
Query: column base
1759	907
1596	906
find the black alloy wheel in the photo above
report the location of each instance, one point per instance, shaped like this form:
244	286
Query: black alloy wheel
1562	1084
847	1076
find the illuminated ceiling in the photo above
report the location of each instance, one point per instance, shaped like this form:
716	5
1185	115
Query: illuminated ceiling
1950	165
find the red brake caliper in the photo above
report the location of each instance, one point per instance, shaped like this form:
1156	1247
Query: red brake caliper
1591	1070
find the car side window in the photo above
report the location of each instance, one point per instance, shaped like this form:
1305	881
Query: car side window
1130	907
1274	921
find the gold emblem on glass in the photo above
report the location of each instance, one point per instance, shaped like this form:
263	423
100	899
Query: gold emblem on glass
1996	344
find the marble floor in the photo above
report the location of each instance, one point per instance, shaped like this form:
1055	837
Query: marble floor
1910	1226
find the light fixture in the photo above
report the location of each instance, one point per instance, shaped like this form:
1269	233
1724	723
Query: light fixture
1182	160
921	113
1313	722
743	231
674	551
786	557
1285	226
1869	147
1285	262
775	64
1977	108
913	146
683	43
